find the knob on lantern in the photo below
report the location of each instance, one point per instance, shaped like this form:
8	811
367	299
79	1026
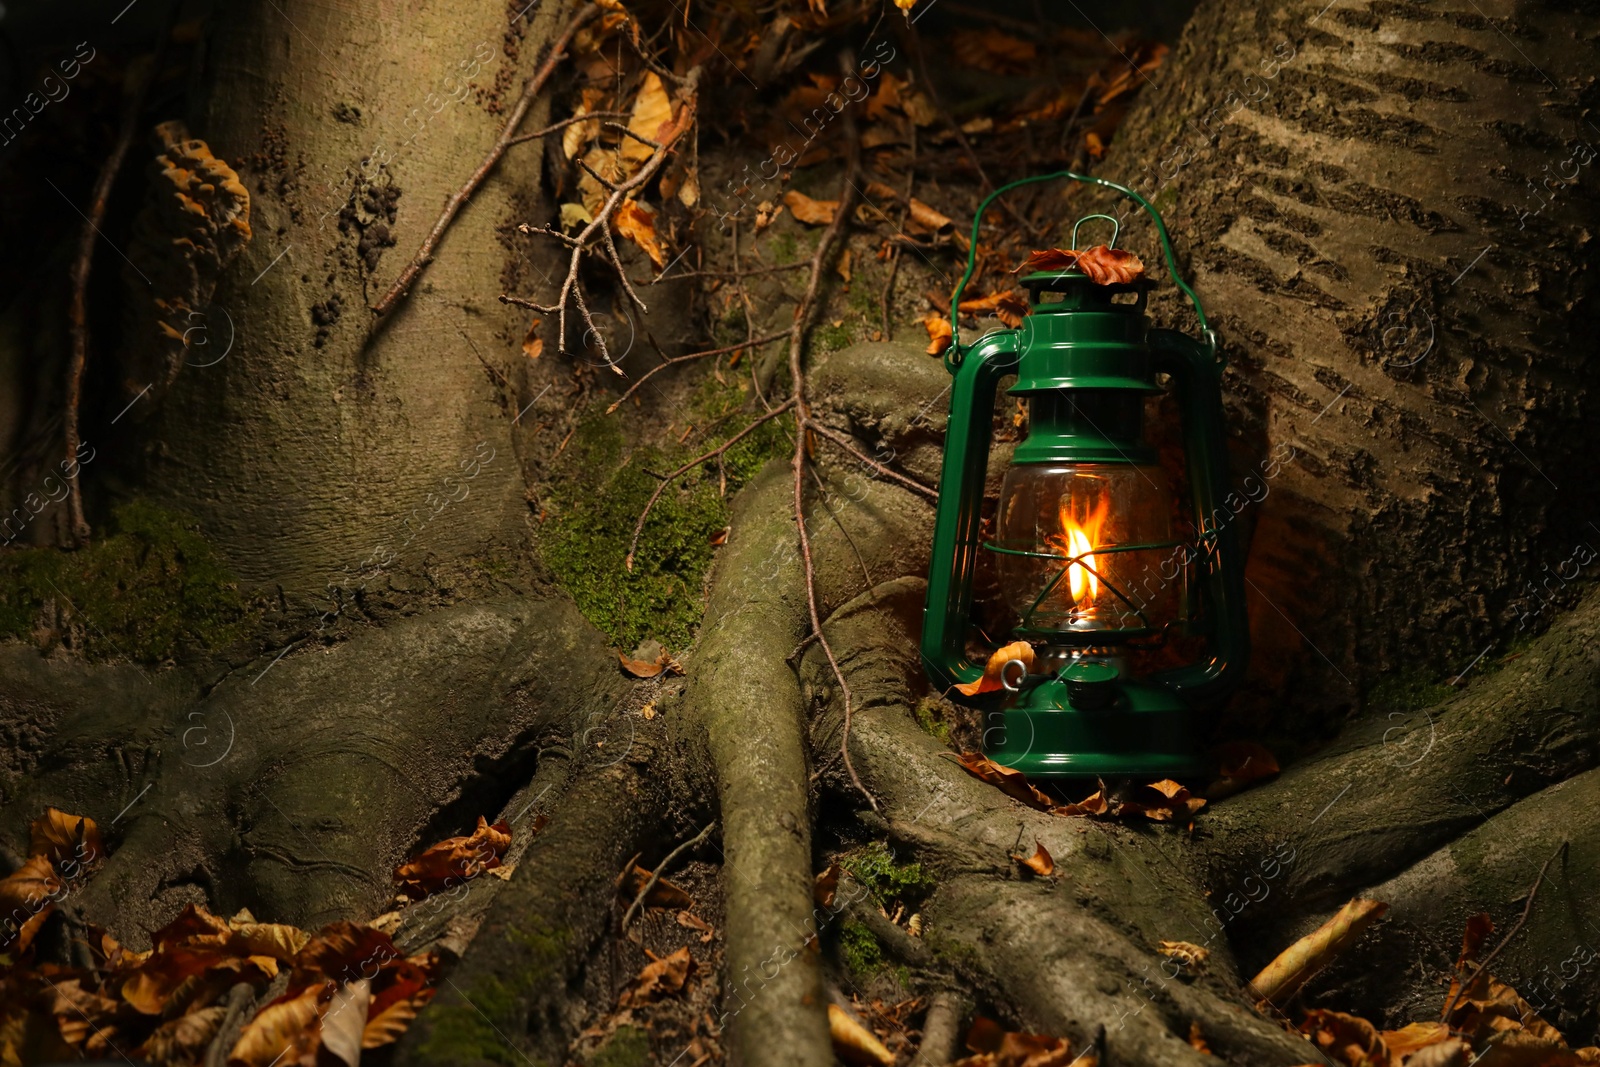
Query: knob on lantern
1084	552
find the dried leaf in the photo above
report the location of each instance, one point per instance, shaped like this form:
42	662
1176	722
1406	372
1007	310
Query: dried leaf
929	220
1193	957
532	343
181	1040
692	921
1040	862
1349	1037
574	215
663	894
454	860
652	110
606	163
64	837
661	977
1289	971
809	211
1012	783
345	1021
640	668
1103	265
1239	763
843	267
575	137
28	891
401	989
285	1032
853	1042
639	226
939	333
1093	804
689	191
825	885
1008	305
1409	1039
1197	1040
989	682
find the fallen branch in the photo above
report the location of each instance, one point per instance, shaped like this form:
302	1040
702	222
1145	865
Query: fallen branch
655	875
797	333
78	315
1483	967
837	438
671	361
453	206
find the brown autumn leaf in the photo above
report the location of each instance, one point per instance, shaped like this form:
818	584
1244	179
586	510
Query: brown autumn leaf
639	226
926	218
989	681
345	1020
1197	1039
532	343
284	1032
577	136
454	860
994	51
843	266
853	1042
182	1040
809	211
1012	783
1008	305
825	885
663	894
939	333
1191	956
994	1047
65	837
661	977
401	989
1093	804
641	668
1410	1038
79	1012
1350	1038
652	109
28	891
1040	863
1240	763
1103	265
1161	801
1295	964
691	921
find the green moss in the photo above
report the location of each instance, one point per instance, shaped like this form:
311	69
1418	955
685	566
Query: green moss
830	338
601	495
784	247
151	585
475	1027
1408	692
859	949
888	882
928	715
628	1046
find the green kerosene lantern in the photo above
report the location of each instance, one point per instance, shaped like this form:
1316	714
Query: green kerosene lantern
1085	555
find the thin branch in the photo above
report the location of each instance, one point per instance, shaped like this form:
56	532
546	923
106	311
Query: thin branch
78	315
797	333
638	528
655	875
830	434
671	361
1483	967
588	116
453	206
797	265
887	294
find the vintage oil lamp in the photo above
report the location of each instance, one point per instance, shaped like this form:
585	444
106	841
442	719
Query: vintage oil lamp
1084	549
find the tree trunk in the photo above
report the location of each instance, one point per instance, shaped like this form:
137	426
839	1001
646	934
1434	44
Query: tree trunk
1387	207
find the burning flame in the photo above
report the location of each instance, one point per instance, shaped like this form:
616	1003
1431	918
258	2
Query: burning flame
1077	541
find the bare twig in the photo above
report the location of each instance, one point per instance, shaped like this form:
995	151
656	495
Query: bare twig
887	294
638	528
453	206
1483	967
797	333
672	361
655	875
78	316
589	116
830	434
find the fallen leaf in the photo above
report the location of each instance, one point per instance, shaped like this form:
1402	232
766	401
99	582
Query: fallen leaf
1193	957
1408	1039
454	860
64	837
1008	305
663	894
989	681
1197	1040
1094	145
575	137
1103	265
28	891
1160	801
929	219
825	885
652	110
606	163
1351	1038
532	343
182	1040
766	214
1295	964
401	989
843	267
639	226
693	922
1240	763
939	334
853	1042
1040	862
285	1032
648	712
809	211
650	668
1012	783
689	189
574	214
345	1020
661	977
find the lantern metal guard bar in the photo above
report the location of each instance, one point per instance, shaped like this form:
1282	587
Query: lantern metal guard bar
1085	358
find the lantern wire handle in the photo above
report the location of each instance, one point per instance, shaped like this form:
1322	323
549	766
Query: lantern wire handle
1206	332
1116	229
